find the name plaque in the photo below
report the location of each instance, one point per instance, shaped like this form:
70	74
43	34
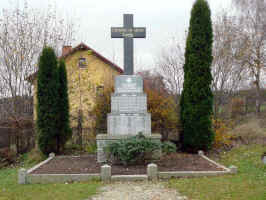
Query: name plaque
120	32
128	84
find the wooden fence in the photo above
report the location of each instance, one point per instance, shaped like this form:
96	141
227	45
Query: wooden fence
22	107
18	141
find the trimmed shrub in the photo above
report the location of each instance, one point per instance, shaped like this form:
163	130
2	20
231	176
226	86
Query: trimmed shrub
64	130
133	150
47	98
168	147
197	98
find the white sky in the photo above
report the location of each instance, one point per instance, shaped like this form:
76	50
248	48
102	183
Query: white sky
163	19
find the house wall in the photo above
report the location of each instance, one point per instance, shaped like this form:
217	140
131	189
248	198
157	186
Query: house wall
82	85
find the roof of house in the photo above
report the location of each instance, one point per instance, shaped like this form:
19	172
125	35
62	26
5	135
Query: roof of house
82	46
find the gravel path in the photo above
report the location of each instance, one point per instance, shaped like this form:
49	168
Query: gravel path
137	191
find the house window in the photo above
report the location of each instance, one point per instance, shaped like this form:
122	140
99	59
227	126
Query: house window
99	90
82	63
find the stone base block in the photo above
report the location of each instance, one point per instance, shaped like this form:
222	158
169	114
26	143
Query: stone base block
128	84
129	103
104	139
129	124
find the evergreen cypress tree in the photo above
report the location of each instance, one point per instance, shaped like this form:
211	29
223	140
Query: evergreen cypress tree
197	98
65	131
47	98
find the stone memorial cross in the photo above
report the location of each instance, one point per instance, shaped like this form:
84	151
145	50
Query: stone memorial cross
129	115
128	32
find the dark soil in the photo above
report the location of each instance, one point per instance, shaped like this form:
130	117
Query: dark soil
88	164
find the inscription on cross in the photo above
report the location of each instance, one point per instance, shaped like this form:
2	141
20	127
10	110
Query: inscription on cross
128	32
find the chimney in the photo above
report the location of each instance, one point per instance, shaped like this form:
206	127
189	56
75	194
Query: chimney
66	50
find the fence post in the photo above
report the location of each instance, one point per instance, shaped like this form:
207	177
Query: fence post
22	174
13	141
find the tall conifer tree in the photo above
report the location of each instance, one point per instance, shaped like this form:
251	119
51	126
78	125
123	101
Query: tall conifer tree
63	107
197	98
47	101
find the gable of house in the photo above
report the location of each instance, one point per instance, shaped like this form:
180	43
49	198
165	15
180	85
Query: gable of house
87	72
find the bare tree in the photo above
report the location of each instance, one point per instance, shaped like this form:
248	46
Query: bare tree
23	34
252	17
227	74
170	65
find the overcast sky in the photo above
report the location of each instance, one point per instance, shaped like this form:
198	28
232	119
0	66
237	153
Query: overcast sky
163	19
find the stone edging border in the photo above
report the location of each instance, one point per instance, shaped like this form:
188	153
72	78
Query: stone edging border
201	154
25	176
51	156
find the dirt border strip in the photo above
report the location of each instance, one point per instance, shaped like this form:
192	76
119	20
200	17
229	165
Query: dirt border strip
187	174
25	176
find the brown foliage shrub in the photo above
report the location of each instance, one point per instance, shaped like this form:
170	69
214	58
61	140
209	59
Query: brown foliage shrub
164	117
162	106
222	136
238	107
6	157
251	131
34	156
101	109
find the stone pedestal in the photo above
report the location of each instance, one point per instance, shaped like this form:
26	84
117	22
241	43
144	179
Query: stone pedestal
128	108
128	123
128	115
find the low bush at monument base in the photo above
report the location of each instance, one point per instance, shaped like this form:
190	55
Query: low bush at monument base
136	149
103	140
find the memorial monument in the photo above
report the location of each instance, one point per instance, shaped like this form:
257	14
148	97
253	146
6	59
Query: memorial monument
129	114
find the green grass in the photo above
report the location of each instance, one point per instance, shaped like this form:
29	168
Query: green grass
248	184
10	190
263	108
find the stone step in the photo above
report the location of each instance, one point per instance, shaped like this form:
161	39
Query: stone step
129	178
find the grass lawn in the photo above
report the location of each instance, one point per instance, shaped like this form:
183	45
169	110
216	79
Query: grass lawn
248	184
10	190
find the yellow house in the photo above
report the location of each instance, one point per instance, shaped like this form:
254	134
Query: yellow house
88	72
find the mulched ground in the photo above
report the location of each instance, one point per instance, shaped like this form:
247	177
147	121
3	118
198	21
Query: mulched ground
88	164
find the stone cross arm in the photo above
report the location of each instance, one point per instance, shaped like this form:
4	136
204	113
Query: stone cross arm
120	32
128	32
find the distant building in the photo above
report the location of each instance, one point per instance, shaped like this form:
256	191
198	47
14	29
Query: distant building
88	72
